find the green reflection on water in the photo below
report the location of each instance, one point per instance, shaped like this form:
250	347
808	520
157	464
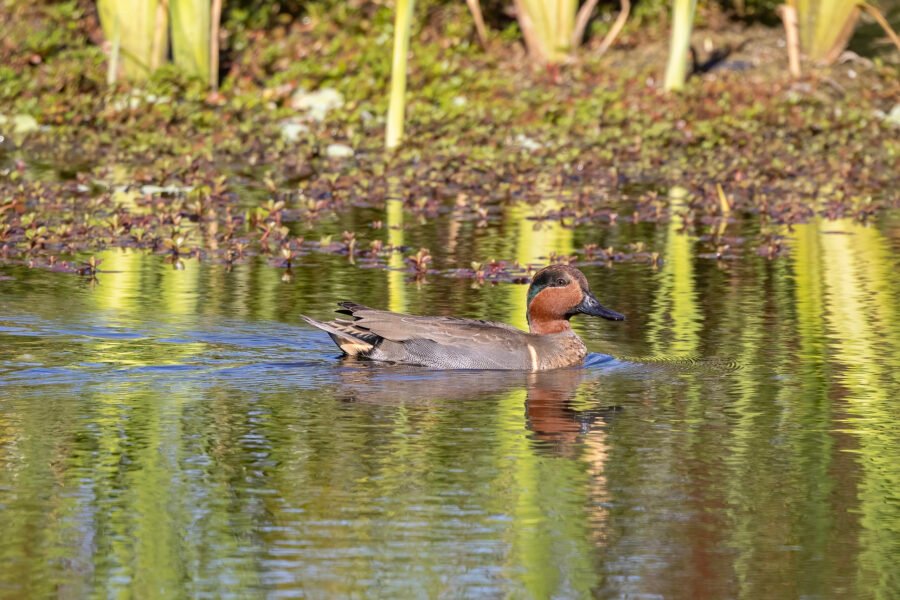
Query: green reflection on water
535	242
176	432
859	278
396	286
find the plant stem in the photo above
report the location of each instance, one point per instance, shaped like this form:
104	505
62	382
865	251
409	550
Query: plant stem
682	23
879	18
160	24
788	14
215	19
396	109
191	34
112	71
614	31
478	17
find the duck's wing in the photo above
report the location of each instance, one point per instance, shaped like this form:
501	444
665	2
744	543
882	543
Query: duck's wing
349	338
400	327
443	342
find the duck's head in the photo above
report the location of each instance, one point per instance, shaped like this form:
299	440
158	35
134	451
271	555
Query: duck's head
556	294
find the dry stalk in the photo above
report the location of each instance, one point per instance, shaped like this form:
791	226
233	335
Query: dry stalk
528	32
215	18
788	14
619	23
480	29
879	18
159	33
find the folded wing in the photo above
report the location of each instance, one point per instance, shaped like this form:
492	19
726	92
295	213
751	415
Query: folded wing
441	342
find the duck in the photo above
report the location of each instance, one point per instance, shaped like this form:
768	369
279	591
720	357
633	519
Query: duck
556	294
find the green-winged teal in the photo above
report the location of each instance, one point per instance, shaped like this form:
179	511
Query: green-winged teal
557	293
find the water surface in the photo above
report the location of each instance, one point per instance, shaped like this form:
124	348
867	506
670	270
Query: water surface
169	433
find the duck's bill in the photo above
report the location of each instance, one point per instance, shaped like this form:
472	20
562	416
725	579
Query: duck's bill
590	306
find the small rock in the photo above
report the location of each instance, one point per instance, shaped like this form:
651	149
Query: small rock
291	130
893	117
526	143
172	190
318	103
338	151
19	125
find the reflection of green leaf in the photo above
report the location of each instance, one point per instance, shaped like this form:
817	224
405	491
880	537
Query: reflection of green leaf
533	245
675	323
860	274
396	283
551	555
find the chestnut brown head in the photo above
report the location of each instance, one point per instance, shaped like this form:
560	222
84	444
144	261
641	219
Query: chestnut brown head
559	292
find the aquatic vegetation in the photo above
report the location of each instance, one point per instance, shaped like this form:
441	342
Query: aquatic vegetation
192	35
168	162
139	32
548	27
826	26
88	268
680	43
136	32
419	261
397	102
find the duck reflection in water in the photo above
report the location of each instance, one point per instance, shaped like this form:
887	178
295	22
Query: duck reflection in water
556	426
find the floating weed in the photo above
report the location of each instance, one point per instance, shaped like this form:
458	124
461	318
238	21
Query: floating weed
350	243
419	261
175	245
610	168
88	268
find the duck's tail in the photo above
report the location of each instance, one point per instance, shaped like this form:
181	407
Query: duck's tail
352	340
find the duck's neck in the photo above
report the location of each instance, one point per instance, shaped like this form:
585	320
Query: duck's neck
546	310
543	325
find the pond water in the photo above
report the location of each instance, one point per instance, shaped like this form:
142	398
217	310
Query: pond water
180	432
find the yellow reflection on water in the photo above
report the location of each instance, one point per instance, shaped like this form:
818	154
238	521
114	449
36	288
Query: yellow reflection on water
674	326
860	276
122	284
396	272
549	529
535	241
133	284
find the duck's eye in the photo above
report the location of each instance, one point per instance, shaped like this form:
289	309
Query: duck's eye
561	282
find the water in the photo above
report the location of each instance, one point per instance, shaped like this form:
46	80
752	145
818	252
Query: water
169	433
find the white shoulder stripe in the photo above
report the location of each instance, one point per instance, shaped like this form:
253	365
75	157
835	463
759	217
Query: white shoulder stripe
534	357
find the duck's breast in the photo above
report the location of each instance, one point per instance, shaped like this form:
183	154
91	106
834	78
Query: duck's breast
558	350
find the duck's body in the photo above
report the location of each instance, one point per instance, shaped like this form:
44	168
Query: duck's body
556	293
